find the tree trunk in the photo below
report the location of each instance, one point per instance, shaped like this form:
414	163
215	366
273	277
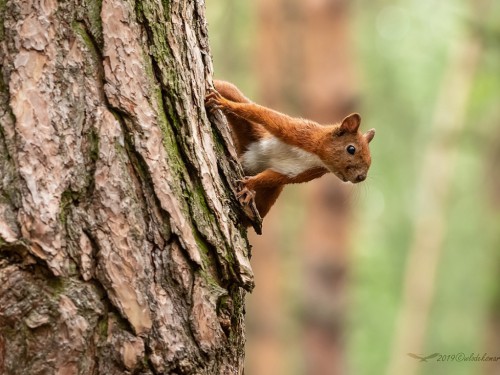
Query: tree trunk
120	244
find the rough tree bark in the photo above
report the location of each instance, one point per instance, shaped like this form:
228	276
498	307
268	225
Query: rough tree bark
120	244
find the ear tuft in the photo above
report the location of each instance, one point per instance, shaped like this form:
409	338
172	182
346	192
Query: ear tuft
369	135
351	123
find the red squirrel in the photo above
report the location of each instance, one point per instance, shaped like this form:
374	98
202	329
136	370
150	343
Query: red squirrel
275	149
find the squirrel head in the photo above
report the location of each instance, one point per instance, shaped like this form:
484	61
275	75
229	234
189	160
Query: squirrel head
345	150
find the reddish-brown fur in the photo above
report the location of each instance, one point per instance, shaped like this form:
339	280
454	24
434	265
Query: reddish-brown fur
251	122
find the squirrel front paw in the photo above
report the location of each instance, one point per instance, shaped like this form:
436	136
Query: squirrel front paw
215	101
246	193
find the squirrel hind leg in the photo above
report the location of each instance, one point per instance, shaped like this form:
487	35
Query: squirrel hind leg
266	197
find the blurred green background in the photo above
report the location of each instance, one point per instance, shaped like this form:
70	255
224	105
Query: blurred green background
415	264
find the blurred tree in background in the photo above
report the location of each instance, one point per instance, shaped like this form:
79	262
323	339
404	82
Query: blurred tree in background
425	227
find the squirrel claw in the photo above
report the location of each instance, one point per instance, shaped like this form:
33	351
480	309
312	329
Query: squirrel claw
245	195
212	107
243	180
214	101
213	94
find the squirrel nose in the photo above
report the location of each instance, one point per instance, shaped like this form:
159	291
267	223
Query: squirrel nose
361	177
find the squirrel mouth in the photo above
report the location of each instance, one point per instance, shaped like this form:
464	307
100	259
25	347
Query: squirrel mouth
340	175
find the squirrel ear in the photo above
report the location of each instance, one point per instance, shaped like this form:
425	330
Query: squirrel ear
369	135
351	123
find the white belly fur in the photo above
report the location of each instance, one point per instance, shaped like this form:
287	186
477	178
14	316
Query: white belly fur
281	157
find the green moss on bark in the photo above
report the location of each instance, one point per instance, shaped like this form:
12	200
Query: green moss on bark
90	13
90	42
3	4
94	13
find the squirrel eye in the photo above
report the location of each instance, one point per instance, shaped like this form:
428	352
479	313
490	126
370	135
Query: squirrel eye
351	149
